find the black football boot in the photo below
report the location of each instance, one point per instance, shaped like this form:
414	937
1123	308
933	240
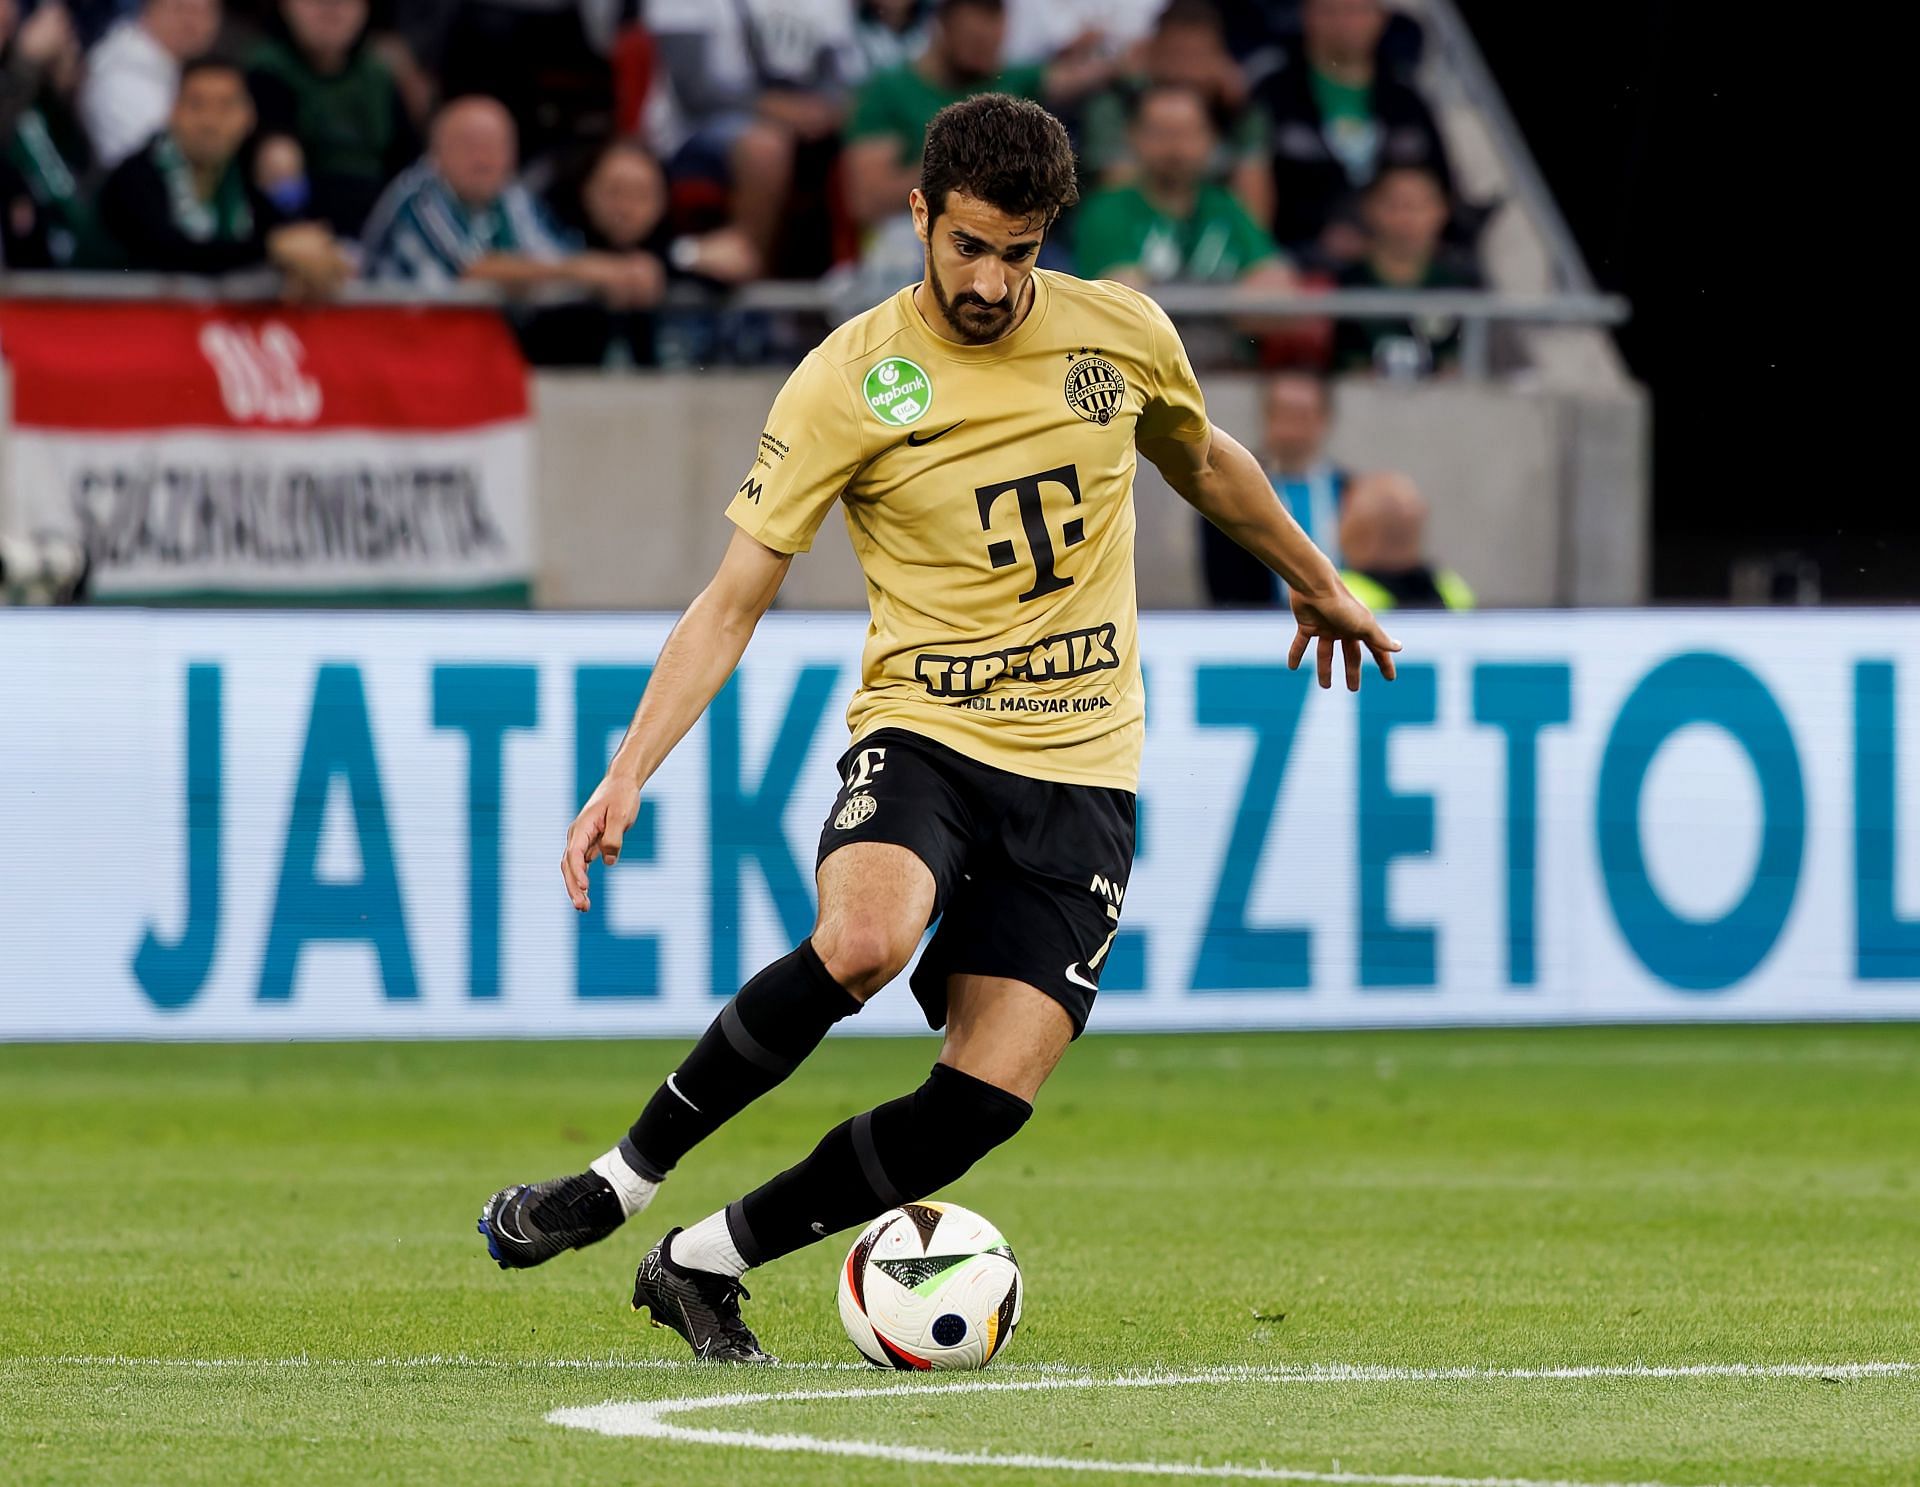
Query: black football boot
702	1307
528	1224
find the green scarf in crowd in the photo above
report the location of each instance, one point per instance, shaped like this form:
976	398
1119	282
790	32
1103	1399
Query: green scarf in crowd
227	217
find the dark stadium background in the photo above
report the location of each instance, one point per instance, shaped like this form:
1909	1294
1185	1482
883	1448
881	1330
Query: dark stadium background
1674	135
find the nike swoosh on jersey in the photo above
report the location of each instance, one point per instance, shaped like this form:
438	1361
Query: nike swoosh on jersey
916	440
1073	975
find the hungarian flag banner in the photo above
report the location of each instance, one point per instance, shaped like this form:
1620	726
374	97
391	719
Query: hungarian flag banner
267	452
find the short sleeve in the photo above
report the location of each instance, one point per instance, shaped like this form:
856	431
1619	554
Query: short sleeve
1176	408
808	452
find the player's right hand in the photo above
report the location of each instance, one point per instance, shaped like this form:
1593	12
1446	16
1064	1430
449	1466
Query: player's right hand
598	831
1335	618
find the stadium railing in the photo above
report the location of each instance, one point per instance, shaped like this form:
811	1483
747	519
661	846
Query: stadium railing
1478	311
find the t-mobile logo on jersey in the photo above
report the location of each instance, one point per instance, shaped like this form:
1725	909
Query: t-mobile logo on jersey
1033	525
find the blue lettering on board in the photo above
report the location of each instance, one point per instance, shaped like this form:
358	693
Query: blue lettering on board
1695	955
1886	947
606	963
1520	700
1234	955
1391	823
748	822
339	743
173	975
483	702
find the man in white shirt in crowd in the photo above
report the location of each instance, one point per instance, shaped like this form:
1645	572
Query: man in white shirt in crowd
134	71
743	84
1041	30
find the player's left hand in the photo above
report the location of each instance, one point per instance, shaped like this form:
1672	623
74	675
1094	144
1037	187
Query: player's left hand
1334	617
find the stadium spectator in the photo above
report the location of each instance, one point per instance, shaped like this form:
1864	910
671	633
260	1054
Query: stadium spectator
549	61
1174	224
1339	118
459	214
47	217
317	82
746	86
1265	33
1044	30
1405	211
183	204
1383	533
134	71
617	205
1298	418
893	108
38	55
889	33
1188	49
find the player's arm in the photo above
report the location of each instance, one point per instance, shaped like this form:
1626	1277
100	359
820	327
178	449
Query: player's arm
693	666
1225	484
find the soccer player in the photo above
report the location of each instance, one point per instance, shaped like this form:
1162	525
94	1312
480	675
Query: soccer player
980	431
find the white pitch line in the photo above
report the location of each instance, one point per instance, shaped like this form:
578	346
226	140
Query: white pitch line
648	1418
1078	1376
434	1360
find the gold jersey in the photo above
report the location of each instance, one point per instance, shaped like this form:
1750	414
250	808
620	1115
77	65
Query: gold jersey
988	491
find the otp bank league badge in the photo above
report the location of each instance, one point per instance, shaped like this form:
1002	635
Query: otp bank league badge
898	391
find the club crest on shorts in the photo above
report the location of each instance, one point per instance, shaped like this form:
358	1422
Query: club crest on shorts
858	808
1095	389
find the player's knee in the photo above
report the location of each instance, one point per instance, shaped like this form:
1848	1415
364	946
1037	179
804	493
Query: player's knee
863	956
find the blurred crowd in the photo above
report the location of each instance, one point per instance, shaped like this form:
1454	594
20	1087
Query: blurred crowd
1372	523
649	152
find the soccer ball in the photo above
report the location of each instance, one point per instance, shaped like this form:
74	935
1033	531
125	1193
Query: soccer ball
930	1285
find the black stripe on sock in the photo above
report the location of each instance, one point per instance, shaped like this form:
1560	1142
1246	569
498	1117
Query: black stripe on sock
870	1167
751	1048
630	1154
742	1234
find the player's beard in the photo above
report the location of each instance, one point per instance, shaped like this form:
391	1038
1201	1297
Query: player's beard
973	320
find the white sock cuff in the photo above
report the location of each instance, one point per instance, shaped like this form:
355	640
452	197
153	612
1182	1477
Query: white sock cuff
708	1245
634	1191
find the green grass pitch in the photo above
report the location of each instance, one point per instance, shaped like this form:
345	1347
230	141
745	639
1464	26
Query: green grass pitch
258	1264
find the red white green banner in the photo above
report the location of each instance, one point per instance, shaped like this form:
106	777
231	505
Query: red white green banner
271	452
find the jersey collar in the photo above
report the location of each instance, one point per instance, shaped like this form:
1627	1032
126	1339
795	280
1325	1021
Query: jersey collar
998	350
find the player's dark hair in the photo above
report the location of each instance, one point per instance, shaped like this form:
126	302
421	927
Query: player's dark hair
1008	152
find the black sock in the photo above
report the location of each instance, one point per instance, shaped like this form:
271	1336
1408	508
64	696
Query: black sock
905	1149
760	1037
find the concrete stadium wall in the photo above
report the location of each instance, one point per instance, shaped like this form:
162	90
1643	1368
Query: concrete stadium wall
1539	497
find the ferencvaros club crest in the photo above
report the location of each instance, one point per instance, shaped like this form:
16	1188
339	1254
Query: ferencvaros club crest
1095	389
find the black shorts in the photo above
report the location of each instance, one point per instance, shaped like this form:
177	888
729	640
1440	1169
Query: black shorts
1028	874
